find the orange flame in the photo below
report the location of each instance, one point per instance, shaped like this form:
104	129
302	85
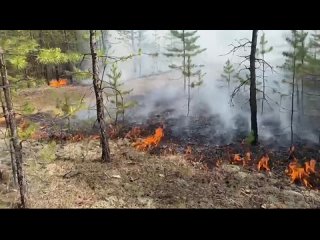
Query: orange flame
296	172
264	163
237	158
310	167
244	160
151	141
60	83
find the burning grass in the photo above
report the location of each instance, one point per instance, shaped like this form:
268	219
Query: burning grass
151	141
263	164
58	83
239	159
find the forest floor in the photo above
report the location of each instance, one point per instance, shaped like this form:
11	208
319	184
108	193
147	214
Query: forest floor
75	178
69	174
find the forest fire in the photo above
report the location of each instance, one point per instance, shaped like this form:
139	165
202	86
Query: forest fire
60	83
296	172
264	163
238	159
310	167
151	141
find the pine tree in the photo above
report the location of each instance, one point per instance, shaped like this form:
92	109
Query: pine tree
131	37
302	57
55	57
191	71
118	94
295	64
157	49
314	44
141	38
228	70
262	51
290	65
188	48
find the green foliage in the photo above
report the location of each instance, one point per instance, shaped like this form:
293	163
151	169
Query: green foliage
250	138
117	94
48	152
69	107
82	75
56	56
188	46
28	108
296	57
19	47
263	46
228	70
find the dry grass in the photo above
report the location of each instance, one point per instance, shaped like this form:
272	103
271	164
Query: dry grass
77	179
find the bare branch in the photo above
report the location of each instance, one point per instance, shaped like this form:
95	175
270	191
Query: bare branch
236	90
237	47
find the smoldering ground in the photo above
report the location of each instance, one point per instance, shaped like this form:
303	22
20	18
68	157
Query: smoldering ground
158	90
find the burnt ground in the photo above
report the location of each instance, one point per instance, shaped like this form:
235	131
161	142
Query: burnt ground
72	176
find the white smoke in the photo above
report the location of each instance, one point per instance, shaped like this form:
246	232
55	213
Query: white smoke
213	96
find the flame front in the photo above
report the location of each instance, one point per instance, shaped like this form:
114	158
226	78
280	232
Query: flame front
151	141
310	167
302	174
264	163
60	83
244	160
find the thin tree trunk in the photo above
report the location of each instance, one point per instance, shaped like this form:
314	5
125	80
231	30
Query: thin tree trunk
229	79
99	100
134	50
292	95
140	43
184	61
117	108
189	86
253	97
189	96
302	97
56	72
298	100
263	86
14	133
45	68
13	164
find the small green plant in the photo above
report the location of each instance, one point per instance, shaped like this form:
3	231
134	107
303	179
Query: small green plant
28	108
117	95
250	138
27	131
48	153
69	108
